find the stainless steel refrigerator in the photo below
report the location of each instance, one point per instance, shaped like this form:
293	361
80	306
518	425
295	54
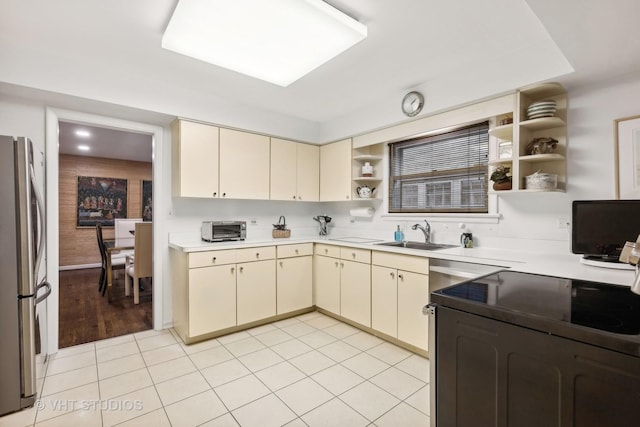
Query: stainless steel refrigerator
22	246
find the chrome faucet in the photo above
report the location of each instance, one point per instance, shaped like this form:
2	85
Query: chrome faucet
425	230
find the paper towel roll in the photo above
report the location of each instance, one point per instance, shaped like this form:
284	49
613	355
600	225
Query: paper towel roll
362	212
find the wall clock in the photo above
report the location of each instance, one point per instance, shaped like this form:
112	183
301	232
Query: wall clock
412	103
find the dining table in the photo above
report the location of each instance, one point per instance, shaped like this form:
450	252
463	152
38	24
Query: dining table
111	249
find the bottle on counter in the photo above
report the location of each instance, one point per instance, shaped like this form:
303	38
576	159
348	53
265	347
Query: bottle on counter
398	236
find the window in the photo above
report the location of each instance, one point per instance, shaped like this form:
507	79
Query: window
443	173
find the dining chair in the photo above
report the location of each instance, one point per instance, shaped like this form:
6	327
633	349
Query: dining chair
140	264
116	262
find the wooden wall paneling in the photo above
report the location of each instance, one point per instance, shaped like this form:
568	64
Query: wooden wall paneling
78	246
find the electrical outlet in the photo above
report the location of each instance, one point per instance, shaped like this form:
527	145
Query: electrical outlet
563	223
253	222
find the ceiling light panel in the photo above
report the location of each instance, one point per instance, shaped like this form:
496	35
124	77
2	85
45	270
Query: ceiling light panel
274	40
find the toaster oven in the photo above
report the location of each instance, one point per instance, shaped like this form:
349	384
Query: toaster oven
219	231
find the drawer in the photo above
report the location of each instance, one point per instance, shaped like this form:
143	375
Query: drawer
289	251
256	254
209	258
414	264
327	250
357	255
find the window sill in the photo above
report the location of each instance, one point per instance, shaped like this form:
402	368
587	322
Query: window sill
488	218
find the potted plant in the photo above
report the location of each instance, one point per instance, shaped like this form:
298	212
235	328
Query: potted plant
501	177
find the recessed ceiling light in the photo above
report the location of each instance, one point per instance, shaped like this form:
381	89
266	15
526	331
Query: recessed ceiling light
274	40
83	133
83	147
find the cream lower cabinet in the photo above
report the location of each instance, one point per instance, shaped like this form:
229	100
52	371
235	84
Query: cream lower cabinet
399	290
294	277
256	284
342	282
212	299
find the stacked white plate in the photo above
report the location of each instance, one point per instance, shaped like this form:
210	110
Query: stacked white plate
541	109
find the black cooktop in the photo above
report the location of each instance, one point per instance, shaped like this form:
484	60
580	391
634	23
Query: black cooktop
584	310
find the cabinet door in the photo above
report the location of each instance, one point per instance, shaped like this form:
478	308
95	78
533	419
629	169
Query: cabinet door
244	165
327	283
294	284
195	159
308	172
256	291
283	169
413	294
212	299
384	300
335	171
355	292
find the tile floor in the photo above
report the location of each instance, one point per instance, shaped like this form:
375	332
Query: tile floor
311	370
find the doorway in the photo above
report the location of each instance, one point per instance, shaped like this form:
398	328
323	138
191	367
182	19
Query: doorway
57	267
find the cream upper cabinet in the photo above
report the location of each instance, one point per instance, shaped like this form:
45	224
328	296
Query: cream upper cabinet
335	171
295	171
195	159
308	172
244	165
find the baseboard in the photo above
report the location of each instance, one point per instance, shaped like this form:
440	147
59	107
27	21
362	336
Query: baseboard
79	267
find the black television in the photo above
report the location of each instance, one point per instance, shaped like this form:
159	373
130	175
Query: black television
600	228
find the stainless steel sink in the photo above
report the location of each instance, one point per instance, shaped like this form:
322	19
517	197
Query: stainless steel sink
418	245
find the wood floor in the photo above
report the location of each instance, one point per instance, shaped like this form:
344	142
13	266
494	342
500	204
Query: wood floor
87	316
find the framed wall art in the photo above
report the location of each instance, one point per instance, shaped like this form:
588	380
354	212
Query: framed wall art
101	201
627	157
147	200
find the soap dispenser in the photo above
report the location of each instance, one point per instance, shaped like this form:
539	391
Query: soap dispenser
398	236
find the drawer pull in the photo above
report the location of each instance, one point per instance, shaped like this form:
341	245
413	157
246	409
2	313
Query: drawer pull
336	263
326	251
233	269
353	254
215	194
297	251
294	197
213	260
401	276
342	264
241	269
257	254
280	263
392	275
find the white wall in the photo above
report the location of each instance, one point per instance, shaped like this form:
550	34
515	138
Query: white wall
526	219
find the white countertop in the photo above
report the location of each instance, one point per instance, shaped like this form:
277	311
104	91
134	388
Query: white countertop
560	265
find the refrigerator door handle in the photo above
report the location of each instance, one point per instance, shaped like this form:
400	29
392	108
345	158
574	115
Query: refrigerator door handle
39	201
46	294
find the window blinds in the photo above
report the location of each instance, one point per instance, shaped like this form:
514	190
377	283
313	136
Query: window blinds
441	173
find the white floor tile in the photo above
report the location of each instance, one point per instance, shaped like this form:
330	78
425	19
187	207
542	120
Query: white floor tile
225	372
389	353
398	383
259	330
339	351
317	339
150	333
242	391
369	400
195	410
280	375
420	400
141	401
273	337
304	396
341	330
402	415
120	366
237	336
286	322
290	349
225	420
157	418
363	340
312	362
114	341
335	413
156	341
67	401
71	362
68	380
200	346
364	365
337	379
299	329
321	322
84	418
117	351
171	369
309	316
268	411
417	366
163	354
211	357
76	349
124	384
182	387
23	418
296	423
245	346
260	359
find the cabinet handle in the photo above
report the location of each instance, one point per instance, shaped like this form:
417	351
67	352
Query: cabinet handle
401	276
342	264
297	252
299	197
233	269
215	194
336	263
326	251
213	260
257	254
280	263
241	269
294	197
392	275
353	254
224	194
347	197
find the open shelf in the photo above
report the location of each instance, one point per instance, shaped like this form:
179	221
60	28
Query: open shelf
536	158
367	157
502	132
543	123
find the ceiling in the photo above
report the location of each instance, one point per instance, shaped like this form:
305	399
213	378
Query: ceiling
454	51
